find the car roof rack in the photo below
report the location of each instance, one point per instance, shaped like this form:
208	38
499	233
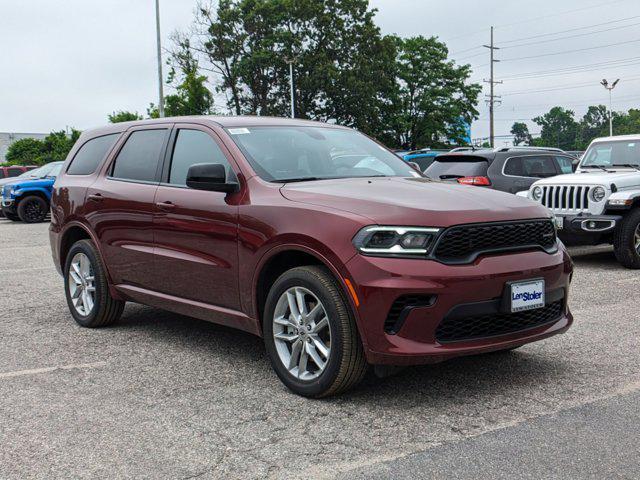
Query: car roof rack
542	149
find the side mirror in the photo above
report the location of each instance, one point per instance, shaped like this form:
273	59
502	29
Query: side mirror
210	176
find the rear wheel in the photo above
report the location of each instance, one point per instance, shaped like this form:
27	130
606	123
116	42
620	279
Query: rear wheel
86	288
310	334
626	240
32	209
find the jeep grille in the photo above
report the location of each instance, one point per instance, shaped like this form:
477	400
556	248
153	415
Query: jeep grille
572	198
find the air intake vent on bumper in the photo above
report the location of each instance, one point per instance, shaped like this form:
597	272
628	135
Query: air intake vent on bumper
401	309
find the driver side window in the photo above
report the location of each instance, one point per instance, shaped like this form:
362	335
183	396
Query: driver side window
193	147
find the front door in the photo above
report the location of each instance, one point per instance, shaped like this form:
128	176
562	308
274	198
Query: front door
196	231
120	206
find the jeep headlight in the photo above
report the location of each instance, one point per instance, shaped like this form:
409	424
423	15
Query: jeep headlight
598	194
536	193
395	241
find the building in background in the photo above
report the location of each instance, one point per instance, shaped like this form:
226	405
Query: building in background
7	138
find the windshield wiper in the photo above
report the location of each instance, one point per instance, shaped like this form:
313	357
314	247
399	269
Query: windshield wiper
628	165
596	166
298	179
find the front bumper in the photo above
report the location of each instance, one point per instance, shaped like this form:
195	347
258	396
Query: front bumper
381	281
8	206
587	229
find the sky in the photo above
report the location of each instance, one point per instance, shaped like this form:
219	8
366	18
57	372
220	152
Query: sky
70	63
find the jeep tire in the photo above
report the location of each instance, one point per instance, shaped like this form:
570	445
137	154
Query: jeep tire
626	240
32	209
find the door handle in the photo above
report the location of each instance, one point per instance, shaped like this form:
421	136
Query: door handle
96	197
165	205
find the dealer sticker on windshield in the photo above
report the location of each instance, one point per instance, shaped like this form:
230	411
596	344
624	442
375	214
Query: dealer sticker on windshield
527	295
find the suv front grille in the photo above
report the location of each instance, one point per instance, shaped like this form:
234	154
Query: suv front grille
565	197
463	243
491	325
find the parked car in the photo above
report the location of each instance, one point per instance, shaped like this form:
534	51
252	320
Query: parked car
422	158
600	203
12	171
27	199
509	169
310	235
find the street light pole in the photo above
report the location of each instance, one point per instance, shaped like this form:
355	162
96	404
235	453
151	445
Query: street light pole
606	85
293	105
159	48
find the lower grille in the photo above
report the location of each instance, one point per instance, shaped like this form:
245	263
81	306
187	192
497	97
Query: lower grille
402	307
491	325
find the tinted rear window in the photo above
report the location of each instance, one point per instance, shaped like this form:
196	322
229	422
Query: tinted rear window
138	159
91	154
443	168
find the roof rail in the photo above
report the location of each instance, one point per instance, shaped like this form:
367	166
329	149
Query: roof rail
542	149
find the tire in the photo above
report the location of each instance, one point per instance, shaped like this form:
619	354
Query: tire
12	217
32	209
626	238
346	364
105	310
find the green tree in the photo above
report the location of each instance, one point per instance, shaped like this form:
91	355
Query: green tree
431	103
521	134
594	123
343	67
124	116
24	151
559	129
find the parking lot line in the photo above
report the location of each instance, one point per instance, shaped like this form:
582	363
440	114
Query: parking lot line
36	371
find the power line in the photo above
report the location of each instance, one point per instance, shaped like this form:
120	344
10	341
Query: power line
570	36
623	62
568	30
565	87
570	51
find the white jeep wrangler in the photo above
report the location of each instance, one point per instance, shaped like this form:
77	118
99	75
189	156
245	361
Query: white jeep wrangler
600	202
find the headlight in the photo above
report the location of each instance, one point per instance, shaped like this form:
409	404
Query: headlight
536	193
598	194
395	241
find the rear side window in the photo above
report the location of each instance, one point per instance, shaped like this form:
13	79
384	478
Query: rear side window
91	154
455	167
140	155
14	172
192	147
536	166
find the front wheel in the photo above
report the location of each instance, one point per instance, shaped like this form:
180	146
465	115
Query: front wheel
86	288
12	217
32	209
310	334
626	240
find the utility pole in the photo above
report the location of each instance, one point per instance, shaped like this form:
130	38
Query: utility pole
606	85
493	99
290	61
159	48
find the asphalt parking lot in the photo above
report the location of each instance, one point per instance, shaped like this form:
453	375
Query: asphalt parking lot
164	396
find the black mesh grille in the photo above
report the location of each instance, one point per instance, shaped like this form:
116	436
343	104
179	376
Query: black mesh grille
465	242
480	326
395	319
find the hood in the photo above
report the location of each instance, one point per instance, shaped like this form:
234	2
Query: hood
414	201
23	183
621	178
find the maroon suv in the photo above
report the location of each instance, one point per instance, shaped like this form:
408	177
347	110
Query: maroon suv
313	236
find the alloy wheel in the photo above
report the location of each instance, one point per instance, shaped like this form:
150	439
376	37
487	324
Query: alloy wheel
33	211
302	334
82	288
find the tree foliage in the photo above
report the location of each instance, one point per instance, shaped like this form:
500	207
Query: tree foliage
559	129
521	134
31	151
124	116
404	92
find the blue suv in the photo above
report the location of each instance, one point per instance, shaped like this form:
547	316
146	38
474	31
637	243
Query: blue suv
27	199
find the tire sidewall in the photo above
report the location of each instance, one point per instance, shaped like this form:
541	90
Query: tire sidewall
23	204
85	247
625	240
299	277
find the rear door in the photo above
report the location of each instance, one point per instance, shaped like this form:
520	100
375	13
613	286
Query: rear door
196	231
120	204
522	171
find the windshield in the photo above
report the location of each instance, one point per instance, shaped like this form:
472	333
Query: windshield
280	154
611	154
